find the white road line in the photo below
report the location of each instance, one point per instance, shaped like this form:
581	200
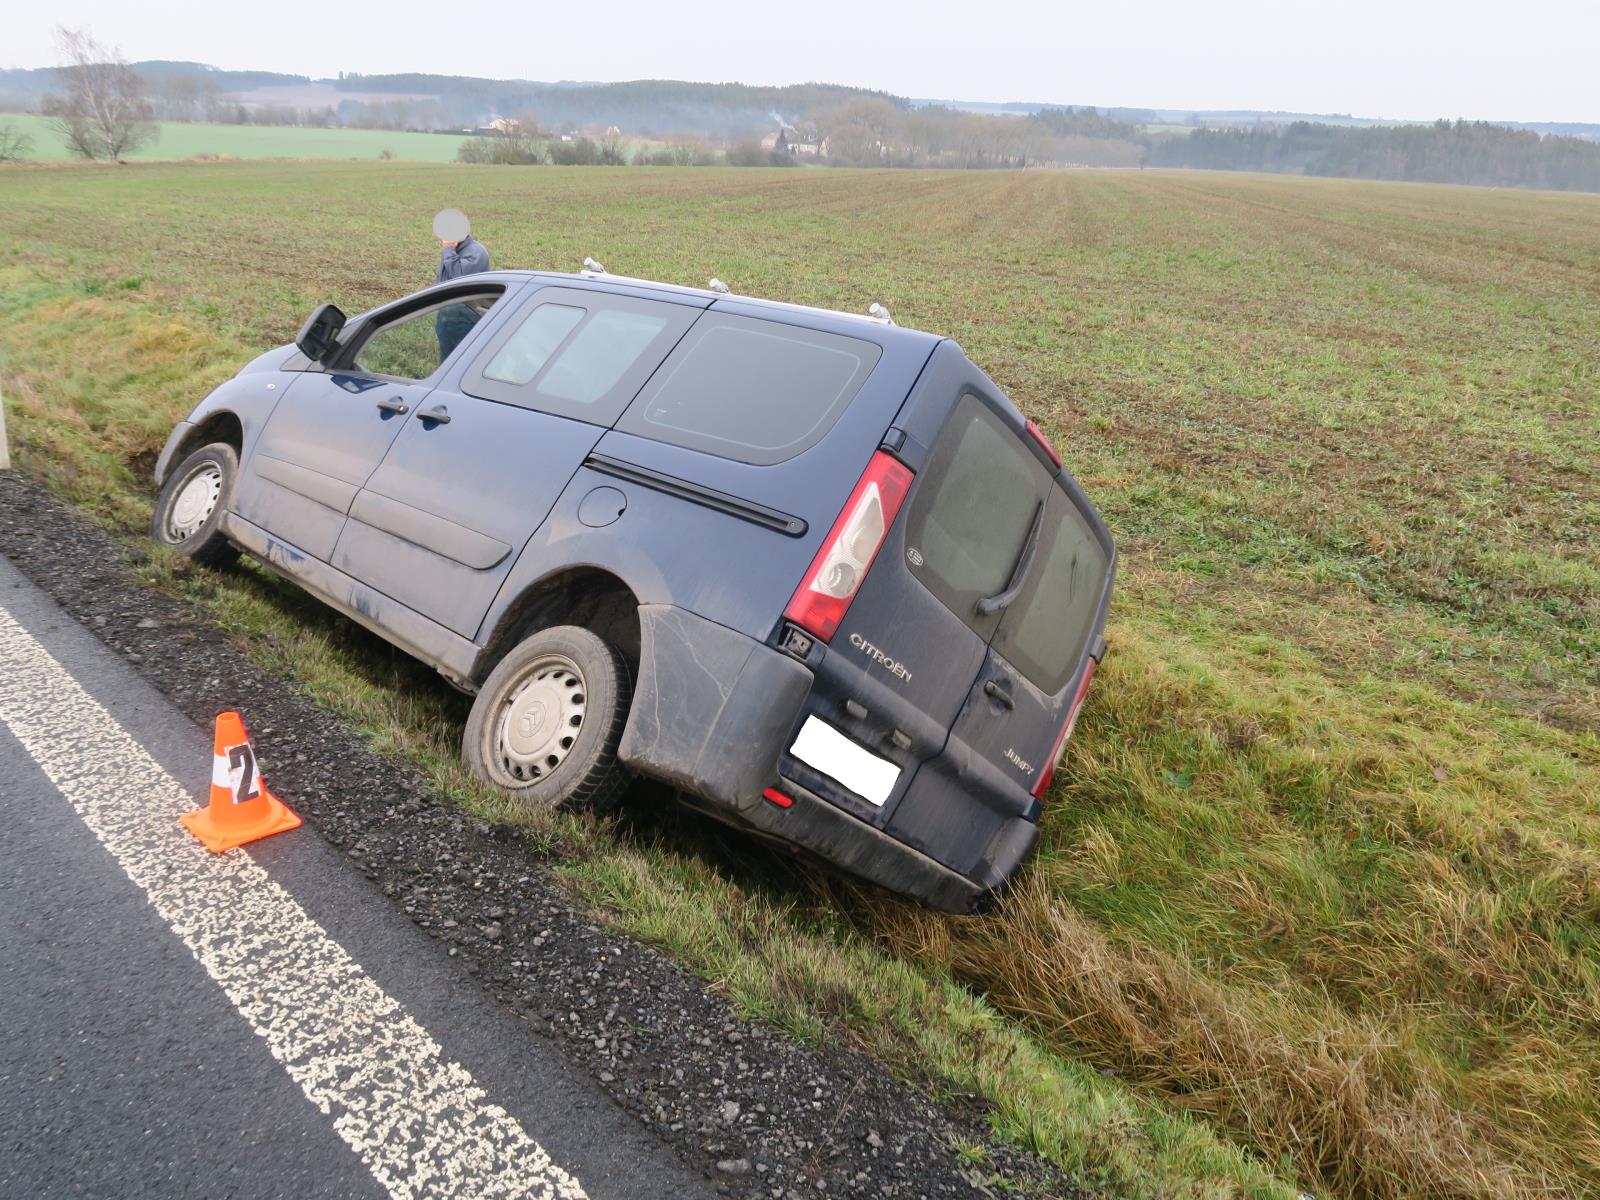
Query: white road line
418	1121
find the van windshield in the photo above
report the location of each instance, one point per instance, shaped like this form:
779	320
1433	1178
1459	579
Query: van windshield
966	530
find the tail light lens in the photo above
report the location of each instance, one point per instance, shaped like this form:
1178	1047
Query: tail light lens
835	575
1056	751
1039	436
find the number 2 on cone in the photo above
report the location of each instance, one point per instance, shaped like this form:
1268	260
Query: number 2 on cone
242	773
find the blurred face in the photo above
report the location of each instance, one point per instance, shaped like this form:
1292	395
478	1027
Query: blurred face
451	227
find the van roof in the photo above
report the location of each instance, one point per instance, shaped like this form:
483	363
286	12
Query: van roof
887	327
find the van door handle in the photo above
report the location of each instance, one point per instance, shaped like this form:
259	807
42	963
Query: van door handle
395	405
996	690
438	414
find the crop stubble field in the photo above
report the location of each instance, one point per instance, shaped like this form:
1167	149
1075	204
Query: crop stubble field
1321	878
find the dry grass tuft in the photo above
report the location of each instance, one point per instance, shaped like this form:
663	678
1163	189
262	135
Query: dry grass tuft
1308	1085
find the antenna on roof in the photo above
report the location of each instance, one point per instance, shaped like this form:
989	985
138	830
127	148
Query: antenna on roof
716	285
594	268
879	313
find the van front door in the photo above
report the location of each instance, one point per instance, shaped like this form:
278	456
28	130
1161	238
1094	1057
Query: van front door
332	428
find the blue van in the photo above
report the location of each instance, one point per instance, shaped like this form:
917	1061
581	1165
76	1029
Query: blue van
811	569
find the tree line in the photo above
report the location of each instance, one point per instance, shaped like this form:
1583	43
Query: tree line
1469	152
104	109
651	108
862	132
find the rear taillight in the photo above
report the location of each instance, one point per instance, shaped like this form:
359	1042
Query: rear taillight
835	575
1038	435
1060	747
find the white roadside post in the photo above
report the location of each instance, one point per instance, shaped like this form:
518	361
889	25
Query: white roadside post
5	453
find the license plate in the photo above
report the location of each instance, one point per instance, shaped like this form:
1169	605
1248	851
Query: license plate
823	747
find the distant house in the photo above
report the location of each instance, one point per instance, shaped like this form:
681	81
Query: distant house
505	124
793	142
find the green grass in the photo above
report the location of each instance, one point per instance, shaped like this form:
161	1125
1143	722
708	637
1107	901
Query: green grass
193	139
1320	877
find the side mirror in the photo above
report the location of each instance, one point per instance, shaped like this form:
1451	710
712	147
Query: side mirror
320	334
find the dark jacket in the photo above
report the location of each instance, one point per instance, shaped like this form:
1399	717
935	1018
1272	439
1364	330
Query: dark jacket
466	258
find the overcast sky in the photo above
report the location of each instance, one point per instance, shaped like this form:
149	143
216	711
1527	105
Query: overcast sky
1532	61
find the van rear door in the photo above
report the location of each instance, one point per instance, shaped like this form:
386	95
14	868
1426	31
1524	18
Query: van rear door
897	672
982	612
1048	643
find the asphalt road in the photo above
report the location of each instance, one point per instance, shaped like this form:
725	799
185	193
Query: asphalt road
261	1023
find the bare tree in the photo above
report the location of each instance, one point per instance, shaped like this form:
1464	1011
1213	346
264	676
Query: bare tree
690	149
14	144
176	98
102	111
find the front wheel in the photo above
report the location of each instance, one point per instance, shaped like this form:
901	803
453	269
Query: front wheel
189	508
546	725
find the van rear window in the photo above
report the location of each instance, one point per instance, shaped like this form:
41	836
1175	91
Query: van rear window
751	390
1044	633
971	511
966	532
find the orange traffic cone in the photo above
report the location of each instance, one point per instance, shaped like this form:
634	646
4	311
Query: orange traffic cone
241	808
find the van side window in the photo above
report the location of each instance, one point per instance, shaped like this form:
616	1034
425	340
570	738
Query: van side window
599	354
575	353
752	390
532	343
413	345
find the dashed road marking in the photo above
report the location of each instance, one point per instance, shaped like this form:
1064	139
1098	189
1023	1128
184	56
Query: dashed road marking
417	1120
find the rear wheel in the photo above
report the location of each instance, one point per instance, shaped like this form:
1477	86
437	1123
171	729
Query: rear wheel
189	508
546	725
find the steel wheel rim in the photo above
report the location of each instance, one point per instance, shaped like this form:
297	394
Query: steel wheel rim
537	722
194	502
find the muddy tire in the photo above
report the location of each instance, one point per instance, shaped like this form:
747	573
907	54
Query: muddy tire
191	503
546	724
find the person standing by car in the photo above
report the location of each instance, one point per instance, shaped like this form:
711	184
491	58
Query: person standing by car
460	254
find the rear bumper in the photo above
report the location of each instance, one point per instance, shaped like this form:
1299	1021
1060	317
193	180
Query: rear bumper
713	712
843	841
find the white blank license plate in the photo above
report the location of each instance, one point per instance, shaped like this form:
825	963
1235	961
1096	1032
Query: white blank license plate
822	746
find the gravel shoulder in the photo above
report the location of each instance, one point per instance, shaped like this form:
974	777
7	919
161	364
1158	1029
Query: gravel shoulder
757	1113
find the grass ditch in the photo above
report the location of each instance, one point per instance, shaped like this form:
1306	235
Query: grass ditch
770	949
1320	878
